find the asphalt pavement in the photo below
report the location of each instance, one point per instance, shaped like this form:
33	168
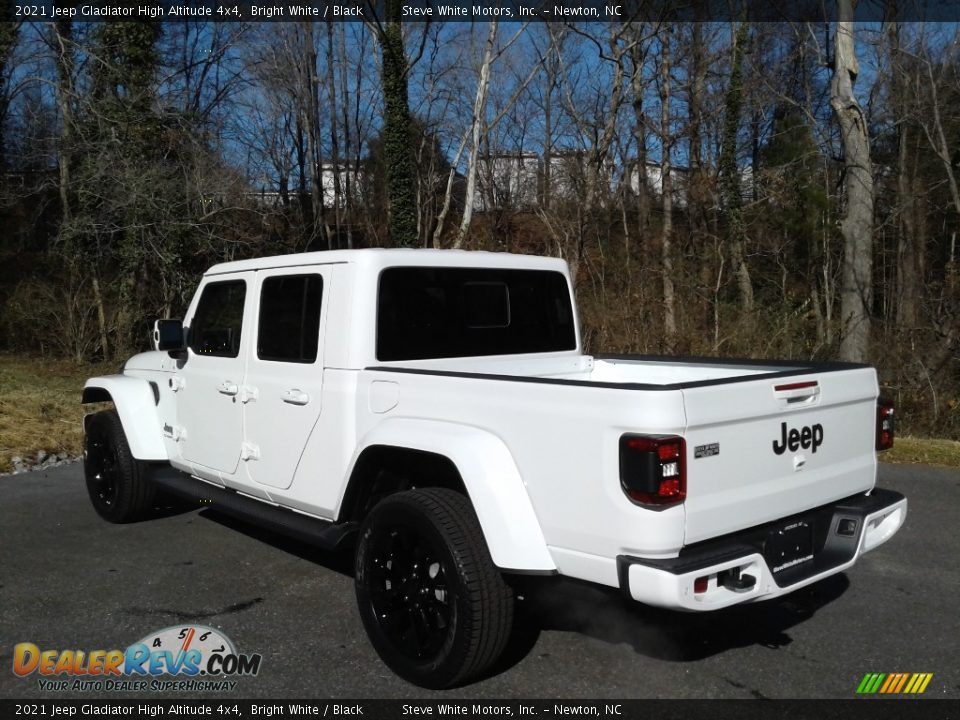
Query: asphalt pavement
69	580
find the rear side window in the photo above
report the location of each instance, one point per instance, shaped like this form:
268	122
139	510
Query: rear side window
461	312
289	327
217	323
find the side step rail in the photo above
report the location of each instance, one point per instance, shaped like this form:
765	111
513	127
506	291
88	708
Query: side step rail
313	531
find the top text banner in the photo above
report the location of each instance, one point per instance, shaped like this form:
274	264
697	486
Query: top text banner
570	11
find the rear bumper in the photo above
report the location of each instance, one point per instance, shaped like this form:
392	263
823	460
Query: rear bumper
840	533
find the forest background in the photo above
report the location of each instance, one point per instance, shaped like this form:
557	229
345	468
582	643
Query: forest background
751	189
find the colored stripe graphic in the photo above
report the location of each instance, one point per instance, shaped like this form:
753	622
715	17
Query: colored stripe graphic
892	679
901	683
894	683
862	687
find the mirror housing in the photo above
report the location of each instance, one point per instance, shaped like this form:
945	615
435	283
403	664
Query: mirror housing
168	335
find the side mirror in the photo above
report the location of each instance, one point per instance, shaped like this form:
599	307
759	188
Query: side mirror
168	335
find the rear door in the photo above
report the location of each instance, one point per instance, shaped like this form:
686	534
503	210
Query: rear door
282	391
761	450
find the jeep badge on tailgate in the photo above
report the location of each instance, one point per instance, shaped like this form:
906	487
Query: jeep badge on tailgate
805	437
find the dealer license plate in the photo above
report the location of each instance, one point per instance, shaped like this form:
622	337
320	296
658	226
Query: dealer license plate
788	546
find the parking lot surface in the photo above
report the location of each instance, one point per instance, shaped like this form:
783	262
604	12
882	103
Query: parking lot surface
71	580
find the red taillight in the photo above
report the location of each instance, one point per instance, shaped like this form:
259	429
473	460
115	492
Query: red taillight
796	386
670	451
653	469
885	425
701	584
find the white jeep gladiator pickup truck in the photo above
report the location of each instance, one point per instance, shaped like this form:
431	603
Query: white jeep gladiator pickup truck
435	408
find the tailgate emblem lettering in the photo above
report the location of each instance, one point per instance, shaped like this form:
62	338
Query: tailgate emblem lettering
709	450
807	437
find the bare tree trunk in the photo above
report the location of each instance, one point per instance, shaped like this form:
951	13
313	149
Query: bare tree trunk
856	292
730	173
698	184
334	139
908	264
666	233
304	200
908	278
101	315
547	139
475	132
448	195
64	60
477	122
697	92
9	34
552	79
308	93
596	164
345	109
637	92
311	100
63	32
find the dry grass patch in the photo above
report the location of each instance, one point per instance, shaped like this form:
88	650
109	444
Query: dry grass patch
923	451
40	407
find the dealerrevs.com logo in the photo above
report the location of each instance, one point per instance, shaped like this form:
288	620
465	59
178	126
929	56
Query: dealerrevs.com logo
200	658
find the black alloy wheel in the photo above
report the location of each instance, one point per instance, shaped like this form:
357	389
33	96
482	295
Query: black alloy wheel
436	609
116	482
409	590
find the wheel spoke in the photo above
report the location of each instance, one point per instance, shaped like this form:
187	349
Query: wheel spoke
419	634
103	461
408	590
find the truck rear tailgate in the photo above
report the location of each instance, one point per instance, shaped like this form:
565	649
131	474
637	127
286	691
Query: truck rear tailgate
764	449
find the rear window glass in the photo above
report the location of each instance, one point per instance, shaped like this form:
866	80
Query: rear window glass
461	312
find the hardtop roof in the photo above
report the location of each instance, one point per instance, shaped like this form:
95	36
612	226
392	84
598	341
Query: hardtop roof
382	257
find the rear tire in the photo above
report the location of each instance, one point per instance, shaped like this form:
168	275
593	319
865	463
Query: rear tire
116	482
436	609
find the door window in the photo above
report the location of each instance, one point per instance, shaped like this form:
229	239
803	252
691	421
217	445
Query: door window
218	321
289	328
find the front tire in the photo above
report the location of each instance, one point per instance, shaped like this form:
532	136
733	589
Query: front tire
116	483
434	606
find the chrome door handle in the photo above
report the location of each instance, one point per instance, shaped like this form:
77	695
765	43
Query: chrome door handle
228	388
296	397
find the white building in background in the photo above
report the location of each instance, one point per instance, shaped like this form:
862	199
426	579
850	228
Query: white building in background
567	175
654	180
518	181
264	198
348	177
329	175
507	181
746	183
680	177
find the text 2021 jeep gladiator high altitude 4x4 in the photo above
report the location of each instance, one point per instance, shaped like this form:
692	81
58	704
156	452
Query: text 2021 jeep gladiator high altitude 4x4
436	408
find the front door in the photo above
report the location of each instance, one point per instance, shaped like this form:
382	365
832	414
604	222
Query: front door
208	385
284	373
